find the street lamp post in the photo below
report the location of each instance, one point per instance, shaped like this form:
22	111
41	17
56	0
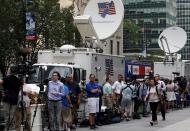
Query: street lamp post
146	44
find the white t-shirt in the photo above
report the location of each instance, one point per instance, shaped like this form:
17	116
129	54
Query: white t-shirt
153	94
118	86
161	85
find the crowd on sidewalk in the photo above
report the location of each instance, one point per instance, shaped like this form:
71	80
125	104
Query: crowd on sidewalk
124	99
152	94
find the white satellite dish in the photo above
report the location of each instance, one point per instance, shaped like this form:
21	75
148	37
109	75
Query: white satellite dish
172	39
67	47
107	16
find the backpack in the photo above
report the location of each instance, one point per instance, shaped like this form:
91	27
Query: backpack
164	92
128	86
135	93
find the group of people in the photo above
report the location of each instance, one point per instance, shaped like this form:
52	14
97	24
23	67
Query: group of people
63	102
152	93
63	99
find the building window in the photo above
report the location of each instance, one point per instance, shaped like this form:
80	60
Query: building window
111	46
118	47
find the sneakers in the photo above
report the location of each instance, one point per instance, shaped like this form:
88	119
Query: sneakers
73	127
99	124
93	127
127	119
153	123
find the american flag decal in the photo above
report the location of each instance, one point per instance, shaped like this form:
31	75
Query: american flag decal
106	8
109	67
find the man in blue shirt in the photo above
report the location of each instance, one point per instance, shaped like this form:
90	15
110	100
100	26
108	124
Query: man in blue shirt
75	94
55	93
93	91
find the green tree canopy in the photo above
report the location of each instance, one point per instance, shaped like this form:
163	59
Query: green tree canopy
130	32
54	27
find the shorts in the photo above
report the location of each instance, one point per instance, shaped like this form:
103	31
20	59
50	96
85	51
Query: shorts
66	114
126	103
93	105
108	102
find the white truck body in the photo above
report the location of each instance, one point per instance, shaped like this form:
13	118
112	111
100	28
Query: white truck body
169	69
102	65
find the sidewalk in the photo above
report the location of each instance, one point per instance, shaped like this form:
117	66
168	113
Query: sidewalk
180	126
177	120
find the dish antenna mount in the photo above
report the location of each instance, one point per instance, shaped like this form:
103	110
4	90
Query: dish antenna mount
172	40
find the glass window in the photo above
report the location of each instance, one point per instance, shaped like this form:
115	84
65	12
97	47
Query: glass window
43	72
76	75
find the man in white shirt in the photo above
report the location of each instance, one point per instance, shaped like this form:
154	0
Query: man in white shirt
117	87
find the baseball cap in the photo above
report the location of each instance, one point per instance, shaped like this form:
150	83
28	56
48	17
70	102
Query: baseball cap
157	75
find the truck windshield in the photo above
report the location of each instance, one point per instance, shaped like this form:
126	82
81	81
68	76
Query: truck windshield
44	72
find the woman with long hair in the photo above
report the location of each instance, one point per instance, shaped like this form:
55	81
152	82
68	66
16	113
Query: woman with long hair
153	97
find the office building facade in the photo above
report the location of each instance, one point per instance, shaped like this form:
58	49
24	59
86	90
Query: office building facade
152	17
183	21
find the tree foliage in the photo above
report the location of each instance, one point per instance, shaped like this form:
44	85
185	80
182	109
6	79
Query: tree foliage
54	27
10	32
131	32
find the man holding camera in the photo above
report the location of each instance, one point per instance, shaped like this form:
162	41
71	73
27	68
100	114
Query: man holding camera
11	86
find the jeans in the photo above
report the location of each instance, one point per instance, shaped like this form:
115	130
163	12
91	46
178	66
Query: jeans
54	108
153	107
162	109
9	114
27	118
145	104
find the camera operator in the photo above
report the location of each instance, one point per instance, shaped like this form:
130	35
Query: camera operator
11	86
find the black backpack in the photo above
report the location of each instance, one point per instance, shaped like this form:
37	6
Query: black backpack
128	86
164	92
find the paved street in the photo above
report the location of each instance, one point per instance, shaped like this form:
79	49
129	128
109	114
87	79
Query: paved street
178	120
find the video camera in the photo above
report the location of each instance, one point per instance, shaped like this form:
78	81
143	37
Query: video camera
22	69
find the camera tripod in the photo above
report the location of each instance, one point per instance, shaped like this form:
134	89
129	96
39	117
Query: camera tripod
43	108
25	111
21	114
43	97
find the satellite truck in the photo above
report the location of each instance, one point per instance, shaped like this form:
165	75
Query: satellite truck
172	40
80	62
